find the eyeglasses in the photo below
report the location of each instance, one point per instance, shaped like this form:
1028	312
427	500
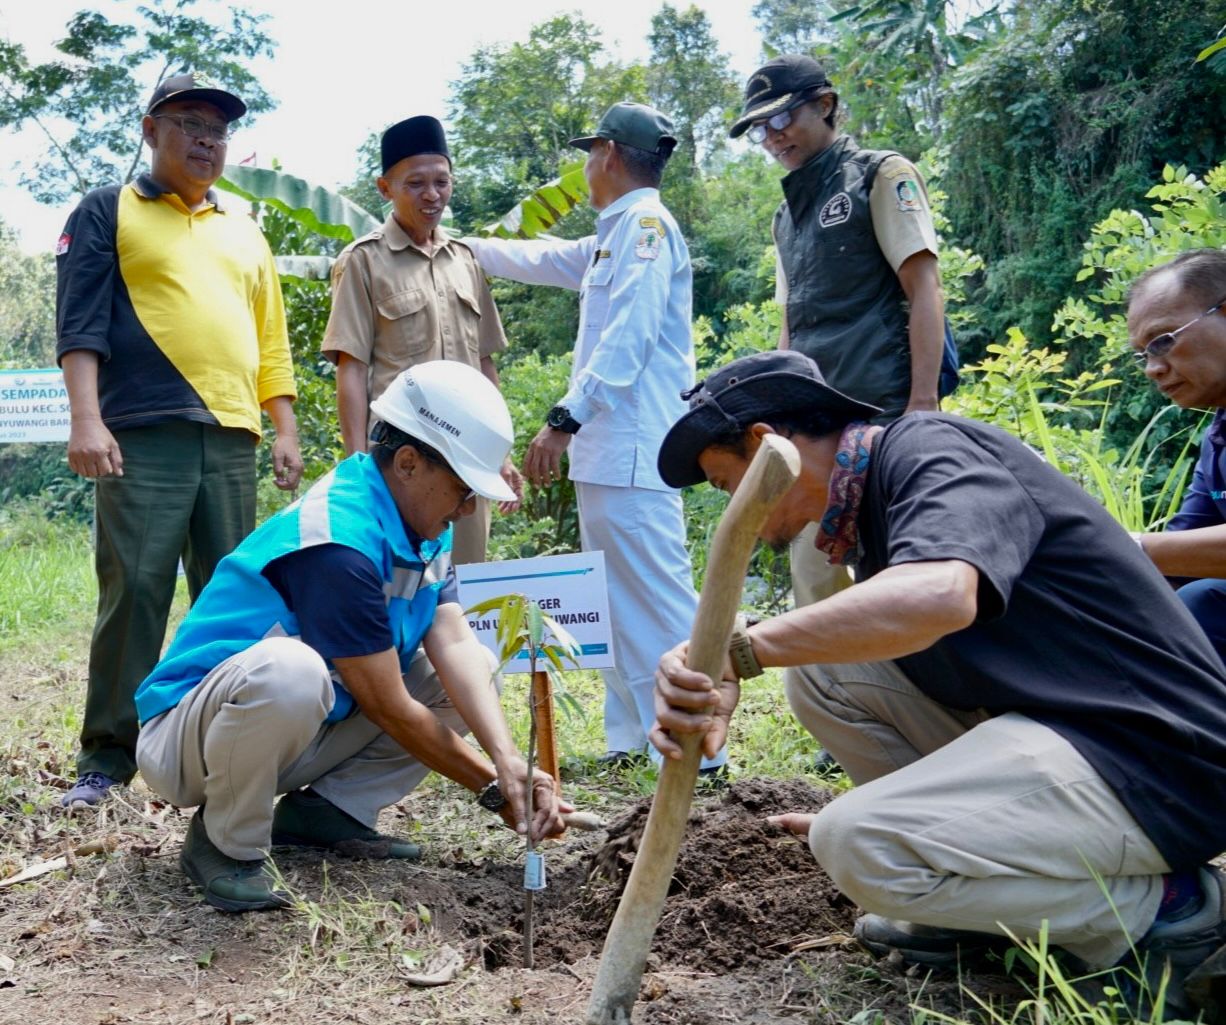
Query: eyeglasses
198	128
757	131
434	456
1160	346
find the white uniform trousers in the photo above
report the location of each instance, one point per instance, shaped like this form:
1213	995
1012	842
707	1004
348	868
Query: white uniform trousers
651	598
254	728
962	821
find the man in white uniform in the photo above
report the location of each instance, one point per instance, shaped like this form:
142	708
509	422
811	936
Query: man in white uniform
633	359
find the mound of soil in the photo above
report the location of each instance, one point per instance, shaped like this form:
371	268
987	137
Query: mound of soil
743	892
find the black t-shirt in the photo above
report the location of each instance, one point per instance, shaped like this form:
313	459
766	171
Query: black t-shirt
1075	628
337	594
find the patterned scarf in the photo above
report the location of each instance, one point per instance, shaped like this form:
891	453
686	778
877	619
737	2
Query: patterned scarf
838	535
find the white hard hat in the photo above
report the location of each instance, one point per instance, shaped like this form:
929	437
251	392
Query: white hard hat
457	411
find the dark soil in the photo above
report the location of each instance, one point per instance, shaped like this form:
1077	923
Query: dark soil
752	931
743	892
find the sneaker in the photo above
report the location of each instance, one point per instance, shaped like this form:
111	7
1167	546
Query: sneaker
88	791
304	819
227	883
924	944
1195	949
714	777
825	765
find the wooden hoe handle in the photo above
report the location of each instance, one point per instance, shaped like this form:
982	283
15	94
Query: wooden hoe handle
771	474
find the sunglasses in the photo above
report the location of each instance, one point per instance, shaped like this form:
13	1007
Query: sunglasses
756	132
1160	346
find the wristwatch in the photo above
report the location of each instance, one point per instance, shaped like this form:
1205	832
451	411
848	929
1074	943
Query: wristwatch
491	796
559	419
740	652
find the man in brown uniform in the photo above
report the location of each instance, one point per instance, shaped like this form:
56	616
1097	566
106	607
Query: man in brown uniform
407	293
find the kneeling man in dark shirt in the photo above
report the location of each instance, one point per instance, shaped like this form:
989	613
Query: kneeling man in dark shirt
1035	725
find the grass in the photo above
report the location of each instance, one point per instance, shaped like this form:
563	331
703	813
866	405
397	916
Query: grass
344	938
47	584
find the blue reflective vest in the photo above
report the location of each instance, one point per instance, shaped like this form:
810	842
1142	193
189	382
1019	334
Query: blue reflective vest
351	506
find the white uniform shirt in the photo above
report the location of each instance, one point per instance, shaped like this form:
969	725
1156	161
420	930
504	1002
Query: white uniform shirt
634	355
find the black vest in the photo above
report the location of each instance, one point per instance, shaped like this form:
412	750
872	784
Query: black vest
846	308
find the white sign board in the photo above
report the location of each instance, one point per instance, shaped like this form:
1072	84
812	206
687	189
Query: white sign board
570	589
33	406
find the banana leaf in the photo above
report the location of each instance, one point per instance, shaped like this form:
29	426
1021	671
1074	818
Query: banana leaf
314	207
544	207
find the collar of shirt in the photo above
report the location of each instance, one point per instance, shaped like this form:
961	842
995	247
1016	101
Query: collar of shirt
1217	428
397	238
145	187
623	203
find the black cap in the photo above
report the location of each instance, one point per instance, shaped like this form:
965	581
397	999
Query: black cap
777	85
633	124
192	85
746	391
411	138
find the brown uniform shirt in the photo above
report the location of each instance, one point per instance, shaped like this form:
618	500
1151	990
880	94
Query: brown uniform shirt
394	307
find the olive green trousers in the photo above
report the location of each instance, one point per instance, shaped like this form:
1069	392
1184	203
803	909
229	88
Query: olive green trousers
187	492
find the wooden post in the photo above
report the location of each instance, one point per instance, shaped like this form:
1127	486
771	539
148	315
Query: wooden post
546	735
771	474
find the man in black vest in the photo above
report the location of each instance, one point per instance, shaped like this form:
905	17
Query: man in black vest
856	269
857	257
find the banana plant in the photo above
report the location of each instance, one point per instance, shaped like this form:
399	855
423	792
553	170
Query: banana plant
332	215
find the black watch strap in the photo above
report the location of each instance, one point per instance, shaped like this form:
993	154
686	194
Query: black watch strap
491	796
559	419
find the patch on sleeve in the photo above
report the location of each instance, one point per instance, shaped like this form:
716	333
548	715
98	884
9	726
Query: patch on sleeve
895	168
62	244
652	222
908	195
648	245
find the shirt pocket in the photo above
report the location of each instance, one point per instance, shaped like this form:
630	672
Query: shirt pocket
407	320
597	284
468	320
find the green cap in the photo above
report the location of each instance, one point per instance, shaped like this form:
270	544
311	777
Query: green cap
633	124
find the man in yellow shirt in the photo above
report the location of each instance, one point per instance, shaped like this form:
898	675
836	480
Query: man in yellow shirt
171	334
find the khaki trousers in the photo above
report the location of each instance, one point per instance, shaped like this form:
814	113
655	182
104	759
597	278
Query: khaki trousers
813	577
471	534
254	728
962	821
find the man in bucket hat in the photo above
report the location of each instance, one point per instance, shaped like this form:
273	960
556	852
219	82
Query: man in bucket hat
329	659
171	334
633	357
856	263
1035	725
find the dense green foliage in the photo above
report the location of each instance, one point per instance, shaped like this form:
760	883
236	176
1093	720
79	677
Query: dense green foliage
1070	113
1042	127
27	318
